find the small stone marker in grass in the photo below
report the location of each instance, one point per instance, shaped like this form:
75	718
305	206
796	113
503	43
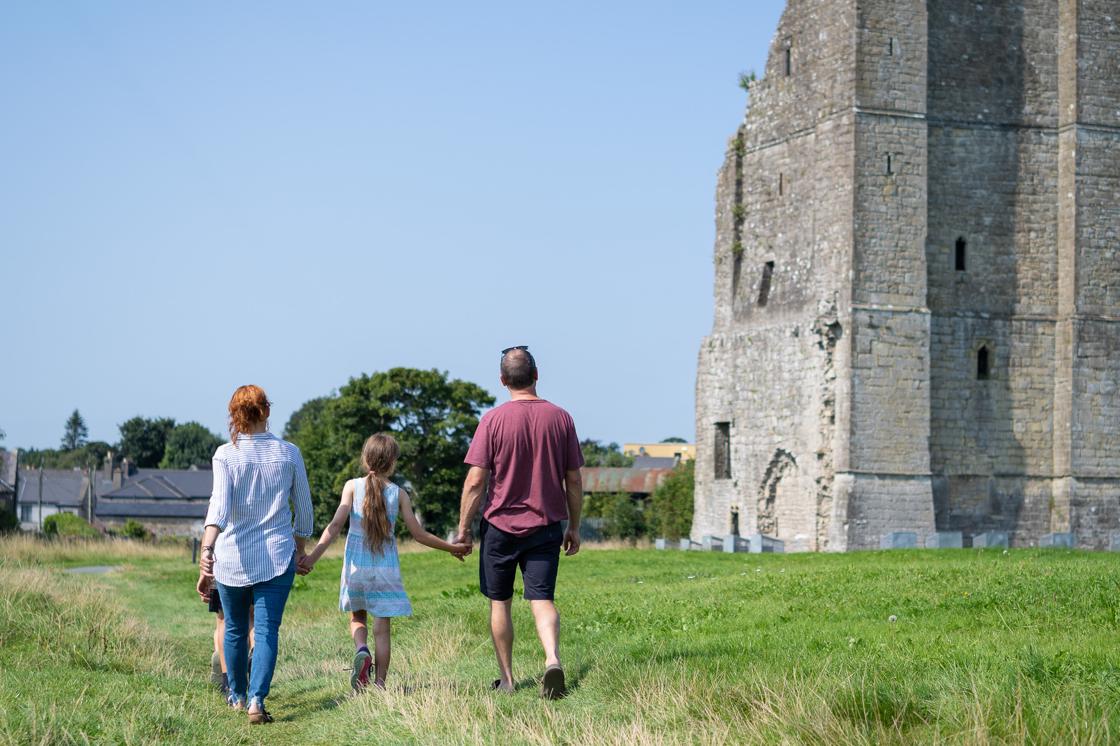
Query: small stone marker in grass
711	543
733	543
661	543
1057	540
945	540
899	540
763	544
990	539
1114	542
687	544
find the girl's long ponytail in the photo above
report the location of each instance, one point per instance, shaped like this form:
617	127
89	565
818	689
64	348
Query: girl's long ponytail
379	457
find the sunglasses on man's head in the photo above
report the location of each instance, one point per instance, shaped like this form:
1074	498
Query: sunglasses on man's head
518	347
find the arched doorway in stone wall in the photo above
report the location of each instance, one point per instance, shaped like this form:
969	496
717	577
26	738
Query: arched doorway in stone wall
787	504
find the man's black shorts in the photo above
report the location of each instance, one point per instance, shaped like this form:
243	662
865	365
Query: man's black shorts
537	554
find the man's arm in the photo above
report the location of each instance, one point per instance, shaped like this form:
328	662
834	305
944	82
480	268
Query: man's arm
473	487
573	485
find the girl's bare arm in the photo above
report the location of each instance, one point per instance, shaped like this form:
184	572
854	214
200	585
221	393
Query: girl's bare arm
423	536
330	533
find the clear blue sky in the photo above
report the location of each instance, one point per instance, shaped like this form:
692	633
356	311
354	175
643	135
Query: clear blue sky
199	195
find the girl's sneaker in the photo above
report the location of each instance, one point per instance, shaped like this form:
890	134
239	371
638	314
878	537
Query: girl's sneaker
216	669
359	674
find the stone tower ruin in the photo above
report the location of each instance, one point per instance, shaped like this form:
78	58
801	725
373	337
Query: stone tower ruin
917	279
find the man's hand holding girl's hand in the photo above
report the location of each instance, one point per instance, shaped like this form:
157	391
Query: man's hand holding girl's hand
460	549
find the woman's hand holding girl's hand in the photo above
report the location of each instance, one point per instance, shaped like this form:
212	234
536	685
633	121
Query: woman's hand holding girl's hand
460	550
306	563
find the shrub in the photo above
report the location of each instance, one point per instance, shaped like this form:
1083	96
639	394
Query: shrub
8	521
134	529
623	517
671	504
68	524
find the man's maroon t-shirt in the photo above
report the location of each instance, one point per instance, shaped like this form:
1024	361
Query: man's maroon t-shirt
527	444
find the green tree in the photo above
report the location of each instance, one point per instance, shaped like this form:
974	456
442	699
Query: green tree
597	454
623	517
189	444
432	417
671	505
91	454
143	440
674	440
76	432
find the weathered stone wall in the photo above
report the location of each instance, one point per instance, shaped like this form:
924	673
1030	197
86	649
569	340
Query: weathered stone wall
883	133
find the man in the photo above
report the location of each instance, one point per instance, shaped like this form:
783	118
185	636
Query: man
528	451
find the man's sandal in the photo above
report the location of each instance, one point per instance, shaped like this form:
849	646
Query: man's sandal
260	717
552	685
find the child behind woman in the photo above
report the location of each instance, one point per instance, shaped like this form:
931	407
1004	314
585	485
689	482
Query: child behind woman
371	570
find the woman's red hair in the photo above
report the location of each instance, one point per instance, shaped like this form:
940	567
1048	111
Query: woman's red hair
249	406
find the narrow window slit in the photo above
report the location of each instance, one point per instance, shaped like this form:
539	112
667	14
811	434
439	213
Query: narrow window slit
890	165
983	364
962	247
781	184
890	47
764	286
789	61
722	451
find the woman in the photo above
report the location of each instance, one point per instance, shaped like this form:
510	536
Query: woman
249	529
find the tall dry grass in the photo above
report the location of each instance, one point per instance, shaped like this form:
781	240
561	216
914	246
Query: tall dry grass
30	549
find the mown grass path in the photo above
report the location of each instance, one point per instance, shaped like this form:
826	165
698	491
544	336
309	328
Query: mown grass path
661	647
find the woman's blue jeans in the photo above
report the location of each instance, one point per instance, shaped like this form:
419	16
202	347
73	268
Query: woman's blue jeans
267	601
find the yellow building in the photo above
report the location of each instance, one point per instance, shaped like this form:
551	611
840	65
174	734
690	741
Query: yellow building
684	451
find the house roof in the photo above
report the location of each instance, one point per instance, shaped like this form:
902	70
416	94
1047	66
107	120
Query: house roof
654	462
60	487
165	484
152	509
622	479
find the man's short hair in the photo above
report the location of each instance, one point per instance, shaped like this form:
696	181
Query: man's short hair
519	369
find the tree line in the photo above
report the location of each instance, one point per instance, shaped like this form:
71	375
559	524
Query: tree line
147	442
431	415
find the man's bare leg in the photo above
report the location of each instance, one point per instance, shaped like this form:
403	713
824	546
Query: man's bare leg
501	630
548	629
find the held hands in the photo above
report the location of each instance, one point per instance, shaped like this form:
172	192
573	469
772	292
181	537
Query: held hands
305	563
460	549
463	543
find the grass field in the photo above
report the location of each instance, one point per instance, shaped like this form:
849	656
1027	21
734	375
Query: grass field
661	647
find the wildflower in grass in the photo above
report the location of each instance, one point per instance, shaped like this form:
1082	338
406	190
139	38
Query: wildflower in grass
892	618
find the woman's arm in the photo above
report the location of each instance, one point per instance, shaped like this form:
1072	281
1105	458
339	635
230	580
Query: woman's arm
330	533
217	517
427	538
206	562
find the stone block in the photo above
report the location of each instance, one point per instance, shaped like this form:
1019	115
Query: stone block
687	544
661	543
733	543
1057	540
763	544
711	543
1114	542
945	540
990	539
899	540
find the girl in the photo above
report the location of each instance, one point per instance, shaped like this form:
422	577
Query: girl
371	570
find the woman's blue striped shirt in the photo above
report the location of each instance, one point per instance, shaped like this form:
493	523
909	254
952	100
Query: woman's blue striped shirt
257	483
